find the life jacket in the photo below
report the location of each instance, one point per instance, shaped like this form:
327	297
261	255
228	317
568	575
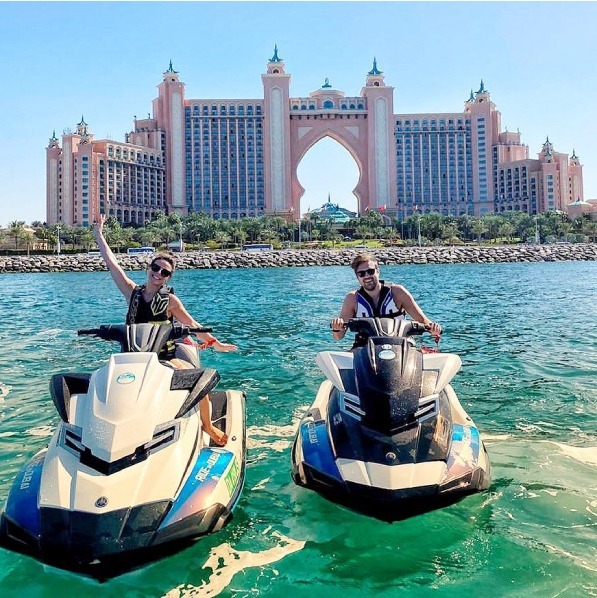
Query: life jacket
152	312
366	308
385	307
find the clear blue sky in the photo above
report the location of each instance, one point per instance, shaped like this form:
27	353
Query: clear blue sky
104	60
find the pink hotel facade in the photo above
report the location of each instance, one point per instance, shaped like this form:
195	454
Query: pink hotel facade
236	158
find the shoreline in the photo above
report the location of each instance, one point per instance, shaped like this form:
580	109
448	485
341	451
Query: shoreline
292	258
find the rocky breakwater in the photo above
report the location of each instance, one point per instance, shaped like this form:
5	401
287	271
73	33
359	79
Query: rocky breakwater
198	260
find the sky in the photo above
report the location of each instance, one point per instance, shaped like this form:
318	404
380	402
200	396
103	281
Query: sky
104	61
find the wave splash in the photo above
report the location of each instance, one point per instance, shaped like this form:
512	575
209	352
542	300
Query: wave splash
226	562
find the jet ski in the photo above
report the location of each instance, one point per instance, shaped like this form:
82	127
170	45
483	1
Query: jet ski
129	475
386	435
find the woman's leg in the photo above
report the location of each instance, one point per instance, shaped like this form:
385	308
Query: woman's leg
214	433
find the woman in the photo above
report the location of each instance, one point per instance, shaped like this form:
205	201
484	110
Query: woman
154	302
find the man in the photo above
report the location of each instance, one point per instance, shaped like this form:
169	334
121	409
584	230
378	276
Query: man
376	298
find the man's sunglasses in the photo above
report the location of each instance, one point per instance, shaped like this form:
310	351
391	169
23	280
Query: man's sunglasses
163	271
363	273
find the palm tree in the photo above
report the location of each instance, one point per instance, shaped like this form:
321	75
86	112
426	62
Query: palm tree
449	232
17	230
28	238
236	232
431	226
86	238
505	230
364	232
43	234
479	228
222	238
326	229
146	236
199	227
493	223
590	230
69	234
163	228
564	228
585	226
524	225
253	227
291	228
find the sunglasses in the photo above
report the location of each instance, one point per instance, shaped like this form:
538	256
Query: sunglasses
163	271
368	271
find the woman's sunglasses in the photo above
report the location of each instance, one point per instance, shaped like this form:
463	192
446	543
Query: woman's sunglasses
363	273
163	271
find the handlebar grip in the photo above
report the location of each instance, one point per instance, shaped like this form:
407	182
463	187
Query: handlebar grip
201	329
89	331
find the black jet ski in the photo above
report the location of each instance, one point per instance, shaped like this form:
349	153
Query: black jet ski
386	435
129	475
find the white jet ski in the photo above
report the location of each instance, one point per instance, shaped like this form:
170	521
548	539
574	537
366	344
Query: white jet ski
129	475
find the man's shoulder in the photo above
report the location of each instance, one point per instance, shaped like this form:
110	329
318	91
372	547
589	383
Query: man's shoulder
397	290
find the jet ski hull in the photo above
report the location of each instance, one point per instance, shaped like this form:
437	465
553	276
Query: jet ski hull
388	488
103	542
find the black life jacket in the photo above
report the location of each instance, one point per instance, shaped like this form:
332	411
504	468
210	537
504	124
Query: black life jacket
152	312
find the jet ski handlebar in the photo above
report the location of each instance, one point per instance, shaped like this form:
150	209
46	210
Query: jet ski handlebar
386	327
107	331
142	337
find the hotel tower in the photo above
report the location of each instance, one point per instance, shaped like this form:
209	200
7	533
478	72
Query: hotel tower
231	158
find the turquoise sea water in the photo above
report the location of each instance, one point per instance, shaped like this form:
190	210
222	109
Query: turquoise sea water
527	335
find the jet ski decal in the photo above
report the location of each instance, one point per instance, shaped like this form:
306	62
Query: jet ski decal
317	449
196	493
464	454
21	506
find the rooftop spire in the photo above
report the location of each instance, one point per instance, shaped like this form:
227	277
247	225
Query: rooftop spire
82	123
374	70
472	96
171	68
275	57
482	88
326	85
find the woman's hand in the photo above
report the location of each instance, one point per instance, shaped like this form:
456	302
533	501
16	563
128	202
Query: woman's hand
435	329
99	226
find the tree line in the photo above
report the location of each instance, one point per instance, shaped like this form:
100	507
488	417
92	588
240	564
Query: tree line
199	230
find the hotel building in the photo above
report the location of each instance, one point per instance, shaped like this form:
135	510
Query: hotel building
237	158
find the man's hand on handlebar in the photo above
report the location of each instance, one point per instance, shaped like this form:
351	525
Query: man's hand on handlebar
337	325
